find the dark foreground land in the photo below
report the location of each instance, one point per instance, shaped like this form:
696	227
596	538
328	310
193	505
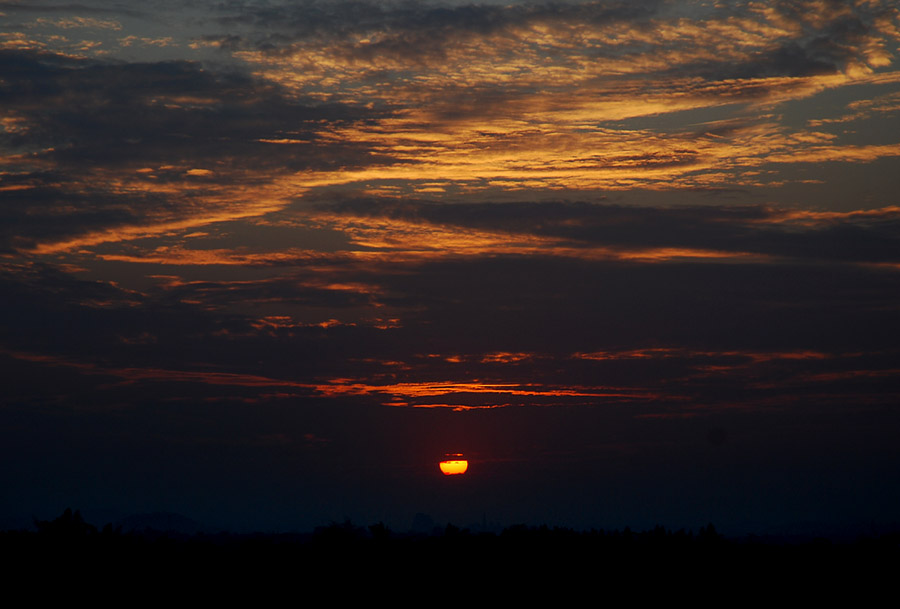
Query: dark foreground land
519	561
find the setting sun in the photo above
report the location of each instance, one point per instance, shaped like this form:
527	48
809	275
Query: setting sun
454	465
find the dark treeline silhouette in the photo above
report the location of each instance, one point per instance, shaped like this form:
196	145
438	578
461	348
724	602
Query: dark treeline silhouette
531	554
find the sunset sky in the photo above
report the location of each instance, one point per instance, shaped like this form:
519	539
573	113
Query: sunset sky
264	262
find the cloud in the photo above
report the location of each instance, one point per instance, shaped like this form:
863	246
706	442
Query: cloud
534	96
618	232
532	45
39	213
582	332
140	114
418	100
183	170
100	151
51	7
80	22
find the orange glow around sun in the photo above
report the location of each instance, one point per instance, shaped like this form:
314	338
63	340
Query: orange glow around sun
453	465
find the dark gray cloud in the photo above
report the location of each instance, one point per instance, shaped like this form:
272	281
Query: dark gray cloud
418	32
551	307
34	7
570	305
50	213
823	51
873	237
412	26
79	118
116	114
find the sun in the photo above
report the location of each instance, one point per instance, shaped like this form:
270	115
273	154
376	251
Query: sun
454	465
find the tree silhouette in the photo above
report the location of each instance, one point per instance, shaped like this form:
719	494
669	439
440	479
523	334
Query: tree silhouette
69	525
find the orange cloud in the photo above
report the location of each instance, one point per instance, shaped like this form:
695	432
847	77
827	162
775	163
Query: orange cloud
420	394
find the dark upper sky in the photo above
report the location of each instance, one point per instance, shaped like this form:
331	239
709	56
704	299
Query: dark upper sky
263	262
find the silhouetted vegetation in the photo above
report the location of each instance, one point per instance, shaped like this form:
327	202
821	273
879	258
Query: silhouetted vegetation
541	551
